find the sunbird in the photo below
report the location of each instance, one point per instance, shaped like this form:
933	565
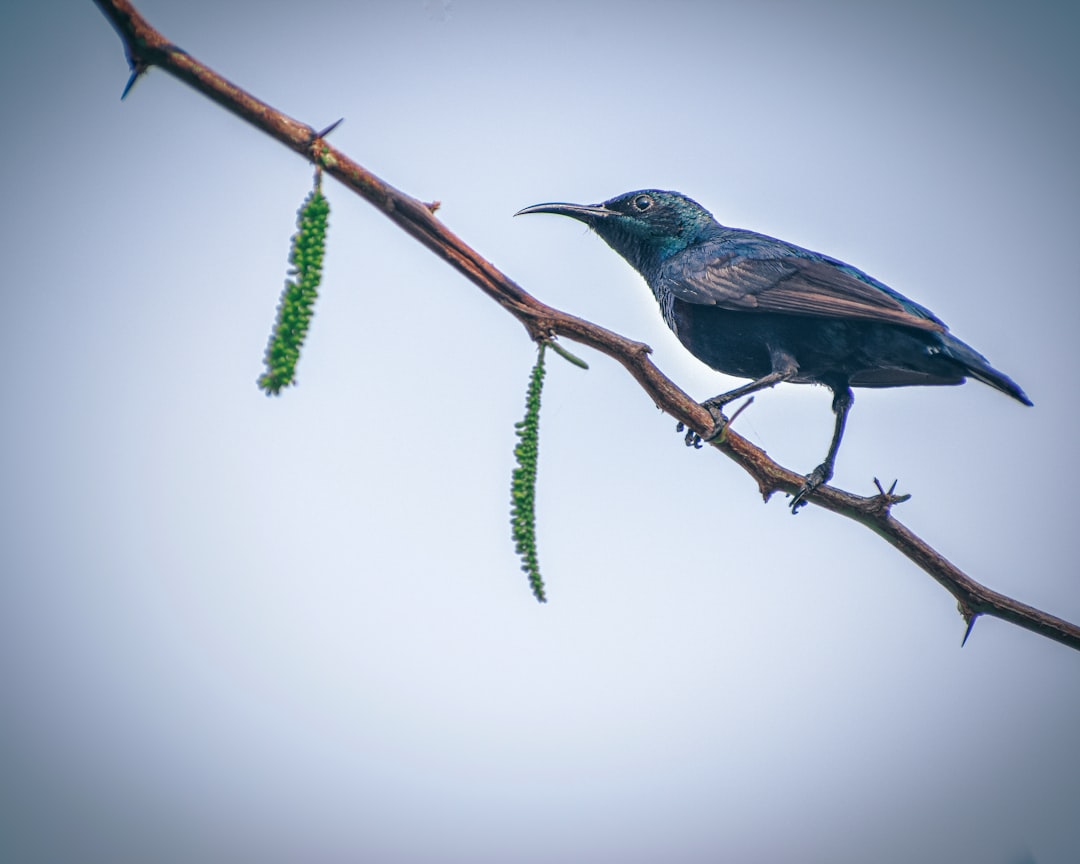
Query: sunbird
752	306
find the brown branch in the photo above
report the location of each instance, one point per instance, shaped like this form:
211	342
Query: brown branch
145	47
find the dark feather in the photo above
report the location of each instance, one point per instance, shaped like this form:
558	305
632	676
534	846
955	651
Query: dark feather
776	278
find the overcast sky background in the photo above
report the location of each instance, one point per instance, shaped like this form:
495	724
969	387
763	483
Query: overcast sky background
294	629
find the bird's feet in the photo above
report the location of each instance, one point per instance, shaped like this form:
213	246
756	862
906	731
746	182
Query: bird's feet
720	423
692	438
815	478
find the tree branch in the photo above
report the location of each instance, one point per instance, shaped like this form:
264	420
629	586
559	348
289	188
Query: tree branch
145	47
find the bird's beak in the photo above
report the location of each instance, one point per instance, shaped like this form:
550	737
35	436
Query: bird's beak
587	213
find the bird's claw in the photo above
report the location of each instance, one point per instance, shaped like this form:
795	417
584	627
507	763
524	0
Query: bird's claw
720	423
692	438
813	480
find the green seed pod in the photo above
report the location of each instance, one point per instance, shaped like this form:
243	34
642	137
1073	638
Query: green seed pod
523	482
299	294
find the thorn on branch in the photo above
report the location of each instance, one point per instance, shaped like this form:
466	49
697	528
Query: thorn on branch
432	206
319	154
327	130
138	69
969	617
881	503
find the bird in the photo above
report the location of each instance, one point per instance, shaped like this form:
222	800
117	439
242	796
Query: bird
752	306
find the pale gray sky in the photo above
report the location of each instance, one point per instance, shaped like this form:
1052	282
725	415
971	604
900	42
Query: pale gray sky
294	629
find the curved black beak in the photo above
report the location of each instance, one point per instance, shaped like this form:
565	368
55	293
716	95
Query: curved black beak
587	213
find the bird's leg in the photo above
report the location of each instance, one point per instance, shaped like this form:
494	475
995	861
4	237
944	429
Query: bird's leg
843	399
715	406
784	368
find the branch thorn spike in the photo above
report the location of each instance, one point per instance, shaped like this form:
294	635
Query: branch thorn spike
329	128
138	69
970	618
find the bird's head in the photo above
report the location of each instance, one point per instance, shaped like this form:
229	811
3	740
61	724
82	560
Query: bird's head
645	227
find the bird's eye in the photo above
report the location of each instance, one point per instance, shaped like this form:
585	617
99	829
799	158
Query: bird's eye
643	202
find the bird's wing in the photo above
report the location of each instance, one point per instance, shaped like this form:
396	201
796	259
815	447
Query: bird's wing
771	276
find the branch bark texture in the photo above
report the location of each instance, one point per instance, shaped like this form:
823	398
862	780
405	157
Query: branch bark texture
145	47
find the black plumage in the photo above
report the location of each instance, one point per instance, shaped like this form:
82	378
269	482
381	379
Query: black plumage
756	307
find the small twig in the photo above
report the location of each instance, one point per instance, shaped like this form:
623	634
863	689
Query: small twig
145	47
740	409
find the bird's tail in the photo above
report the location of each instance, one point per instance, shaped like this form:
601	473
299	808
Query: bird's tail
977	366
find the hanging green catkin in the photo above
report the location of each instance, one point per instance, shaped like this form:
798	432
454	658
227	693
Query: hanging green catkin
523	485
298	297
